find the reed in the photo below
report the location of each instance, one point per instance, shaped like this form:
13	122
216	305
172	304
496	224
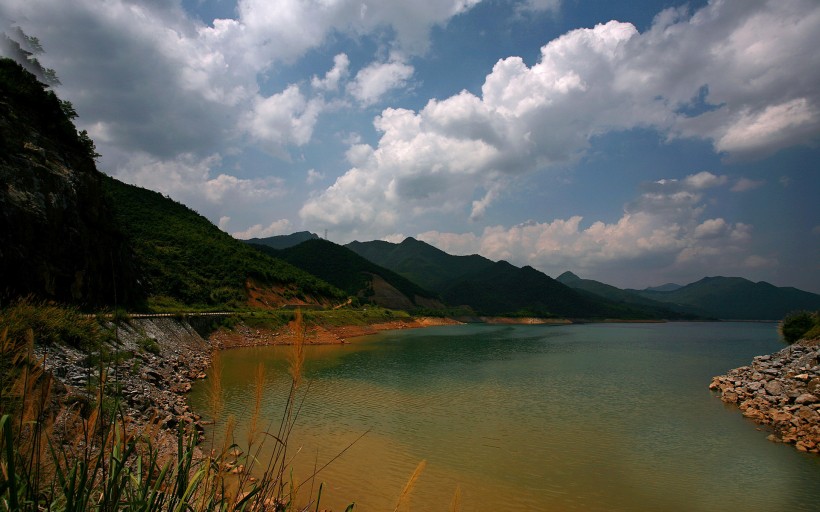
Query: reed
403	503
455	504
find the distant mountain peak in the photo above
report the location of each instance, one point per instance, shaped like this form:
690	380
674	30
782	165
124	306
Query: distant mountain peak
667	287
567	277
284	241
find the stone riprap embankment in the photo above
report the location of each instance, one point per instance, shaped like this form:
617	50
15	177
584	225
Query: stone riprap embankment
782	391
152	384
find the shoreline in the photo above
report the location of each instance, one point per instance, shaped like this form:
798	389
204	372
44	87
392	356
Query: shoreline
244	336
780	391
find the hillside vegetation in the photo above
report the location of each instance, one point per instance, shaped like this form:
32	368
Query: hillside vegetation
800	325
421	263
284	241
736	298
355	275
187	260
492	288
628	298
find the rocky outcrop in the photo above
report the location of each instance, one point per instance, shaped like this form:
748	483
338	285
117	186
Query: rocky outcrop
57	238
782	391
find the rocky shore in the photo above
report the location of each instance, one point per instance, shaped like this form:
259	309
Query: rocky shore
781	391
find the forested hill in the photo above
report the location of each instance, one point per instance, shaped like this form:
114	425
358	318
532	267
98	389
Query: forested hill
186	260
737	298
492	288
357	276
420	262
615	294
284	241
72	235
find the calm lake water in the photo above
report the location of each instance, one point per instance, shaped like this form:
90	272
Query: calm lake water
614	417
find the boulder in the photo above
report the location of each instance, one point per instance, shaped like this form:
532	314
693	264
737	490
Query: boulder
807	414
780	416
806	398
729	395
754	414
775	387
813	386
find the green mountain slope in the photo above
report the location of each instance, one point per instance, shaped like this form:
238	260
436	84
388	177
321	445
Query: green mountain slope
491	288
667	287
504	289
355	275
57	240
284	241
738	298
419	262
187	260
612	293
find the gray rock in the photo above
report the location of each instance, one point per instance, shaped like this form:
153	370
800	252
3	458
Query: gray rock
775	387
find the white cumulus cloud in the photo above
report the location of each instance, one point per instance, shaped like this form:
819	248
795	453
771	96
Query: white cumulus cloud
752	64
283	119
646	238
333	78
277	227
374	81
190	180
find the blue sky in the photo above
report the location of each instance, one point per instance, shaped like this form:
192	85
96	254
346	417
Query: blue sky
636	143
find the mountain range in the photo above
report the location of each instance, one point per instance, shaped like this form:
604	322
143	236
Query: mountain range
70	234
735	298
495	288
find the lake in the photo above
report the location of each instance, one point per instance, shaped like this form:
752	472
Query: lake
595	417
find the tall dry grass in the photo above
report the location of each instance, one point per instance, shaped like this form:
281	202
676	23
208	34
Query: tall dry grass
403	503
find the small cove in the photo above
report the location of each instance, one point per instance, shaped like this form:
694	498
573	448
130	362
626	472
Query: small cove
578	417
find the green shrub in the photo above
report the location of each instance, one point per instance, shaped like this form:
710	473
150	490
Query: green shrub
120	316
149	345
798	324
814	332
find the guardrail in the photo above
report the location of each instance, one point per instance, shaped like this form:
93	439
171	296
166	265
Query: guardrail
167	315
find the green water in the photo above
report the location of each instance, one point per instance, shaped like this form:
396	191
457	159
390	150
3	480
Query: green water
614	417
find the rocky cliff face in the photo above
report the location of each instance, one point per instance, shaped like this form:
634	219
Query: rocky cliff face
57	240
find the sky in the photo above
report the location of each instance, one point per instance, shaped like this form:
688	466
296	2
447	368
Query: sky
632	142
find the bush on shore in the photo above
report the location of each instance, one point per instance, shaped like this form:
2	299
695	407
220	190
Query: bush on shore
800	325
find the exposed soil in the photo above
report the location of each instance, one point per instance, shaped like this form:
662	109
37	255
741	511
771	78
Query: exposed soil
245	336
